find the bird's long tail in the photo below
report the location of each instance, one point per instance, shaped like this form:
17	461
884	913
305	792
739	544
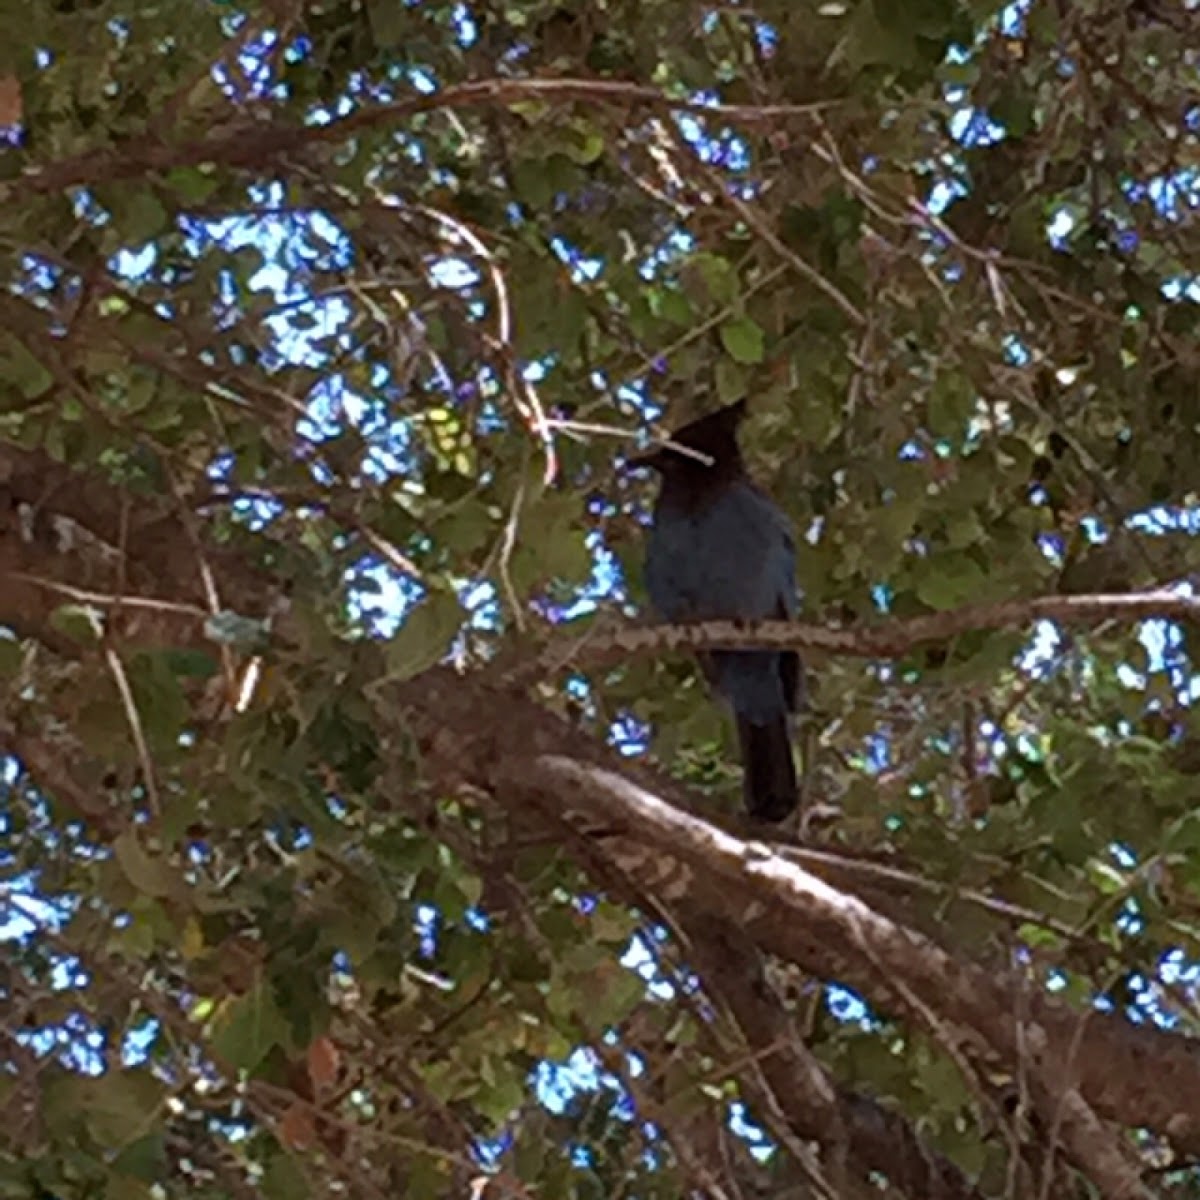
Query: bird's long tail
769	785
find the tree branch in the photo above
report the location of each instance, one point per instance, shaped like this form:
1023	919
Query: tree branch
256	144
887	639
764	892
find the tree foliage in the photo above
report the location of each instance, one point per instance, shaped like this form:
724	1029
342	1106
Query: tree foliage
333	863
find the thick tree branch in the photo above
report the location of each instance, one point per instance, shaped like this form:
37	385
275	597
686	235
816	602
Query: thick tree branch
1135	1075
66	535
759	887
855	1130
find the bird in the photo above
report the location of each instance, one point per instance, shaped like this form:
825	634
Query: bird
720	549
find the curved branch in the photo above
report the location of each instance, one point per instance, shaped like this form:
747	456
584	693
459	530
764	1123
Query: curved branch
1138	1076
764	893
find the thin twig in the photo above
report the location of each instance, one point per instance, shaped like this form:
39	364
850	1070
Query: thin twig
135	728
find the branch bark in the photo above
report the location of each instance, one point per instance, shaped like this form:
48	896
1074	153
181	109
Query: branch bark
1134	1075
257	144
887	639
770	895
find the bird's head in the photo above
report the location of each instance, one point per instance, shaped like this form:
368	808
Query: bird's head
700	446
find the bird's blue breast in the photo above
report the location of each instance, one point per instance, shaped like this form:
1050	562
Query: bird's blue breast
730	557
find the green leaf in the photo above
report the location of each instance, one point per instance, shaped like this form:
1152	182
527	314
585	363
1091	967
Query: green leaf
671	305
951	405
743	340
12	655
717	275
497	1100
586	144
425	1178
81	622
951	580
122	1187
532	183
620	993
144	1159
193	185
248	1027
141	216
871	42
425	636
19	367
731	381
122	1106
152	876
285	1179
162	706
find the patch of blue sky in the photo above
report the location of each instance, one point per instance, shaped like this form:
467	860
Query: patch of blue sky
1016	353
767	37
636	394
673	249
1051	546
481	602
69	974
753	1134
22	910
38	275
629	735
847	1006
489	1151
381	597
556	1084
581	1156
973	128
1123	856
25	911
1172	194
1043	648
1183	288
455	273
466	31
583	268
10	768
1012	18
725	148
253	80
1057	981
639	959
478	920
943	193
138	1041
423	80
426	921
325	407
75	1042
878	751
1129	920
606	583
1175	969
1061	225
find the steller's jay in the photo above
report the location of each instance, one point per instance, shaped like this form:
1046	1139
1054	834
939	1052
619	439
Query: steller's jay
720	549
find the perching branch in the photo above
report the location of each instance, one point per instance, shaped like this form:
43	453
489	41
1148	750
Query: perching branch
887	639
